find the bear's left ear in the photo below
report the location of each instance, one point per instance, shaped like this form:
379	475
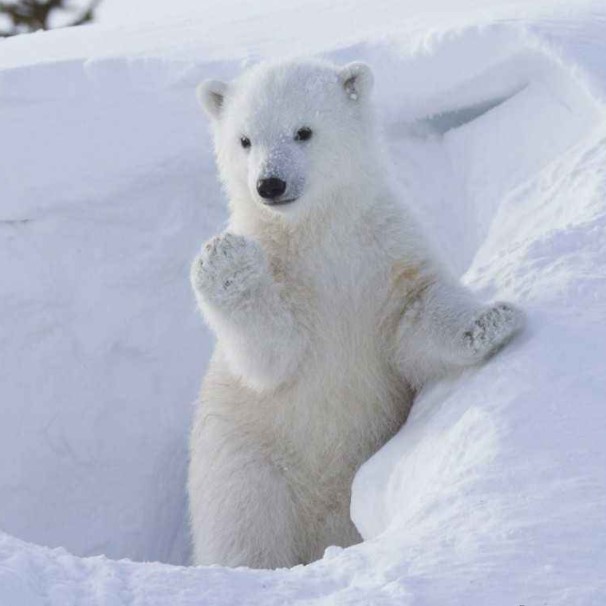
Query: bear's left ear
356	79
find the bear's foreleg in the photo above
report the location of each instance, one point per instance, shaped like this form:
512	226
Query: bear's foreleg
446	327
242	303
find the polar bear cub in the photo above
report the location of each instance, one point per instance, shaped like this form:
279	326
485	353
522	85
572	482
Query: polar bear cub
328	308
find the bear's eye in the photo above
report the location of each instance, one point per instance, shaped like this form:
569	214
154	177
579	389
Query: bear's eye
303	134
245	142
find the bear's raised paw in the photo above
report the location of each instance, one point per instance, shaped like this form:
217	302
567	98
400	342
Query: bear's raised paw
490	330
228	269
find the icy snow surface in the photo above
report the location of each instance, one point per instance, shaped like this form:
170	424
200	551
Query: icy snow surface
493	493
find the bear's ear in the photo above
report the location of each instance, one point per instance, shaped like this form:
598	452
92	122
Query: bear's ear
211	95
356	79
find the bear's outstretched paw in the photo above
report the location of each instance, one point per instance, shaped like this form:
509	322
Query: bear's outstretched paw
490	330
229	269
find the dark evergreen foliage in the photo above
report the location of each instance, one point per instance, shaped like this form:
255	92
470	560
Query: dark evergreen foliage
32	15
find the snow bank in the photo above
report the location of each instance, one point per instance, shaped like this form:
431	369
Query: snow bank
493	492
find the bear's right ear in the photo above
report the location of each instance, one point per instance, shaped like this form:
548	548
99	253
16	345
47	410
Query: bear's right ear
211	95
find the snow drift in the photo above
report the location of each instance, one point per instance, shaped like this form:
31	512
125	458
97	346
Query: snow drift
494	492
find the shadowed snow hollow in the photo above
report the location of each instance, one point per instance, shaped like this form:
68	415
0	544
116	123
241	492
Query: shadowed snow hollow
493	492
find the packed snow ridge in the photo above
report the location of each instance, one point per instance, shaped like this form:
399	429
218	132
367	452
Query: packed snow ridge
494	490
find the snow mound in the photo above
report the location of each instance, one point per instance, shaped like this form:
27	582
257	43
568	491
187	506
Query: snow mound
494	490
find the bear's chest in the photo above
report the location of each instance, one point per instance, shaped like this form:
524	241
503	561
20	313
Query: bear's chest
338	294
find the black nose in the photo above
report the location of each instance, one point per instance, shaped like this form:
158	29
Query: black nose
271	188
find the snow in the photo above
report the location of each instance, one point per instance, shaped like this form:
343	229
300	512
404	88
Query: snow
494	491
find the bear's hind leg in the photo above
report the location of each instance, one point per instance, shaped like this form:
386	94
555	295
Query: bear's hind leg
242	512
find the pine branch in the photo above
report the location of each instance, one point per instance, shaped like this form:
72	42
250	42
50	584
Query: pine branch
33	15
88	14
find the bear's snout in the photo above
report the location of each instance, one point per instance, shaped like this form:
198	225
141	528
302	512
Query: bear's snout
271	188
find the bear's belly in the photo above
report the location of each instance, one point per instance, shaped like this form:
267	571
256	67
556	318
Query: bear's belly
320	427
337	415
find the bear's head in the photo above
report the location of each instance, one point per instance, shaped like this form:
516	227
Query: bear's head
291	136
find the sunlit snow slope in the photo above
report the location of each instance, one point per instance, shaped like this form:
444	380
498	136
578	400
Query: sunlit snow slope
495	490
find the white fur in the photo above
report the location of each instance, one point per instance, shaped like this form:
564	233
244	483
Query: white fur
329	312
